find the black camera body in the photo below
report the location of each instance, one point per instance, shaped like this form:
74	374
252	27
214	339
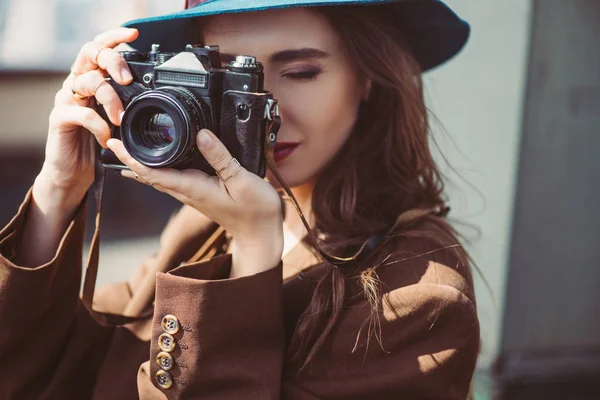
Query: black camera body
174	95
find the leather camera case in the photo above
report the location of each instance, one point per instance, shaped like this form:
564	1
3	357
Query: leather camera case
242	128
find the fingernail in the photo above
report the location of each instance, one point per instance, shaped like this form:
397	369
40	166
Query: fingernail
204	139
121	116
125	74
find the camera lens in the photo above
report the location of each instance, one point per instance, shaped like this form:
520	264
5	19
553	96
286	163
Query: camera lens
158	131
159	127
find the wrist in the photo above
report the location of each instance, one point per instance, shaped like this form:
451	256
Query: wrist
53	197
48	217
256	253
60	182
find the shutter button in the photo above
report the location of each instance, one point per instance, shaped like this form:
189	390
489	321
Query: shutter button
166	342
163	379
170	324
164	360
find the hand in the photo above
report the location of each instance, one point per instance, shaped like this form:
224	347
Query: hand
245	205
68	169
70	150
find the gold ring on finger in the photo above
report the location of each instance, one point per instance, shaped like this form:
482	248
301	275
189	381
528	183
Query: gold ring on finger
225	179
78	95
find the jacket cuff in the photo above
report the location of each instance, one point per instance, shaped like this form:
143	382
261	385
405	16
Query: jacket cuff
230	336
49	287
10	234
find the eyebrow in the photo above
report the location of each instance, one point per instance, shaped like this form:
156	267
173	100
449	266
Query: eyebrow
287	55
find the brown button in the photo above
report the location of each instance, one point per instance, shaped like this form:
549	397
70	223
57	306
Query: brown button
163	379
164	360
166	342
170	324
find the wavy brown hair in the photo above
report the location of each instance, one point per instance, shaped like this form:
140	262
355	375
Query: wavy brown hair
384	169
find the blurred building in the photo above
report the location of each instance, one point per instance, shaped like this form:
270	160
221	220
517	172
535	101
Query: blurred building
522	106
39	40
519	123
56	29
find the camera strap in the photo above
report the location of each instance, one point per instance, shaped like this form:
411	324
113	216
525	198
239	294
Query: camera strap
91	271
272	128
375	241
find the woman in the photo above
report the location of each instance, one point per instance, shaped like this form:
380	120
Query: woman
401	323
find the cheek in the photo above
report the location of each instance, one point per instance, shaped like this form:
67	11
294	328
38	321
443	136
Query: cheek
322	112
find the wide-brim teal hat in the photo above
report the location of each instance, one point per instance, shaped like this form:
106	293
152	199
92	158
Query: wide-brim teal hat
434	32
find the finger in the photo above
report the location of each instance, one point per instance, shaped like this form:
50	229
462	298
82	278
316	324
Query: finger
93	83
66	116
215	152
117	36
148	174
138	178
95	55
87	59
130	174
134	176
66	96
90	56
113	62
180	184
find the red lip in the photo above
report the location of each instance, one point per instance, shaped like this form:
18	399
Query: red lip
281	145
284	149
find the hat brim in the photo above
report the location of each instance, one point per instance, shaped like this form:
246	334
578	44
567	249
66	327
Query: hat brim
434	32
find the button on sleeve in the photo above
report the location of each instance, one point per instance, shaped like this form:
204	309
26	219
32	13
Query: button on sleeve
164	360
164	379
170	324
166	342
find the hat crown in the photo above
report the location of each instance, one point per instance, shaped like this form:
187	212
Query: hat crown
433	31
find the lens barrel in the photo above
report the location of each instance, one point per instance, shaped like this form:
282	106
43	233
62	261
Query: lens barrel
159	127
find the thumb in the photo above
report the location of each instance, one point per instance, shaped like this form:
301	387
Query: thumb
213	150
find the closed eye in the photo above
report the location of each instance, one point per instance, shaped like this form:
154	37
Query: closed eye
302	75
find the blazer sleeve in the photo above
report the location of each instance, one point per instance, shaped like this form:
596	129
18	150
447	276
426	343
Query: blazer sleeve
47	339
229	336
229	342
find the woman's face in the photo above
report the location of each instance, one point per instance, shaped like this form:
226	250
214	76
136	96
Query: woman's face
308	71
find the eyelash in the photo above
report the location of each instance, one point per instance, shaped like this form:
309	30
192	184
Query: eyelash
303	75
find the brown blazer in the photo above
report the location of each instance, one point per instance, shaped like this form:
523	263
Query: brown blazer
232	332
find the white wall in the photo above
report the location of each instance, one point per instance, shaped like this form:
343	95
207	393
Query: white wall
478	99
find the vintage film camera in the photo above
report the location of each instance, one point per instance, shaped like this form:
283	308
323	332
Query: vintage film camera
174	95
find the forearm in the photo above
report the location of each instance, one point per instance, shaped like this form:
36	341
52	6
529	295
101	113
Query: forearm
183	234
43	299
48	217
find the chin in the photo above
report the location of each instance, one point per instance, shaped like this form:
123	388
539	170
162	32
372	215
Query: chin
275	183
289	179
